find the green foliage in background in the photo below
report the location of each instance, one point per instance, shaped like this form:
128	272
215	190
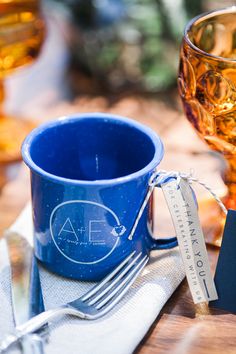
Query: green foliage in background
140	49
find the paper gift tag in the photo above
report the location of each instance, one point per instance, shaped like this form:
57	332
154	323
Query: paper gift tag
183	209
225	276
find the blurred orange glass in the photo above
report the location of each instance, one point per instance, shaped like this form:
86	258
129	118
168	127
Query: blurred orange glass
207	86
22	33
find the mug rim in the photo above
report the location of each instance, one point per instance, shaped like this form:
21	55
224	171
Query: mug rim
156	140
206	15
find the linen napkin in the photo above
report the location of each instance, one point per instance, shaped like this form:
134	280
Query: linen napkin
121	330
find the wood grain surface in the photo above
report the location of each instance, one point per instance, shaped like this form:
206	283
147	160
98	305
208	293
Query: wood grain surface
181	327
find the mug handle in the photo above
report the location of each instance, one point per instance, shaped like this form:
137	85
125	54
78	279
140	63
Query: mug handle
163	243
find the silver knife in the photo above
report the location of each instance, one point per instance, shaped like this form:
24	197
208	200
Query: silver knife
20	254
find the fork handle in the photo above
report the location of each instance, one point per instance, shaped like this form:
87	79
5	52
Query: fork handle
36	323
32	344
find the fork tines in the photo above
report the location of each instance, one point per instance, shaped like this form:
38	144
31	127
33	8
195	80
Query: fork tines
110	290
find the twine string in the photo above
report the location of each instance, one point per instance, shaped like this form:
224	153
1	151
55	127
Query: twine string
162	176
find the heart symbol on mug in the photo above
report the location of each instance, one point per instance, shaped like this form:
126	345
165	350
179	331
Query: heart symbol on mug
118	230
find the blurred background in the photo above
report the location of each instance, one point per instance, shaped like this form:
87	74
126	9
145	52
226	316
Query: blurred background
112	47
119	45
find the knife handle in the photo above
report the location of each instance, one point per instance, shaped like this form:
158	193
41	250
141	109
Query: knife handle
32	344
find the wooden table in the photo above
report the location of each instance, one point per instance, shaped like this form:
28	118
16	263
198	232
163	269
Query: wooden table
181	327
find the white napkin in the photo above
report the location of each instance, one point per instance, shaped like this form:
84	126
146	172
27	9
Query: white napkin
121	330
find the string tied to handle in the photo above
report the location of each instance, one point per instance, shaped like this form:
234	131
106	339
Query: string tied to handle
162	176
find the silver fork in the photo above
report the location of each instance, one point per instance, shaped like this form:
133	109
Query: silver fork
94	304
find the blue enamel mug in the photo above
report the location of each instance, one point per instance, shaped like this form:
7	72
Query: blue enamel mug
89	176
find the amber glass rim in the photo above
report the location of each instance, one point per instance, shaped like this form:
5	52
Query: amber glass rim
200	18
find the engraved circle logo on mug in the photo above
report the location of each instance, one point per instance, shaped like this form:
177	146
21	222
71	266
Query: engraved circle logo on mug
84	231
